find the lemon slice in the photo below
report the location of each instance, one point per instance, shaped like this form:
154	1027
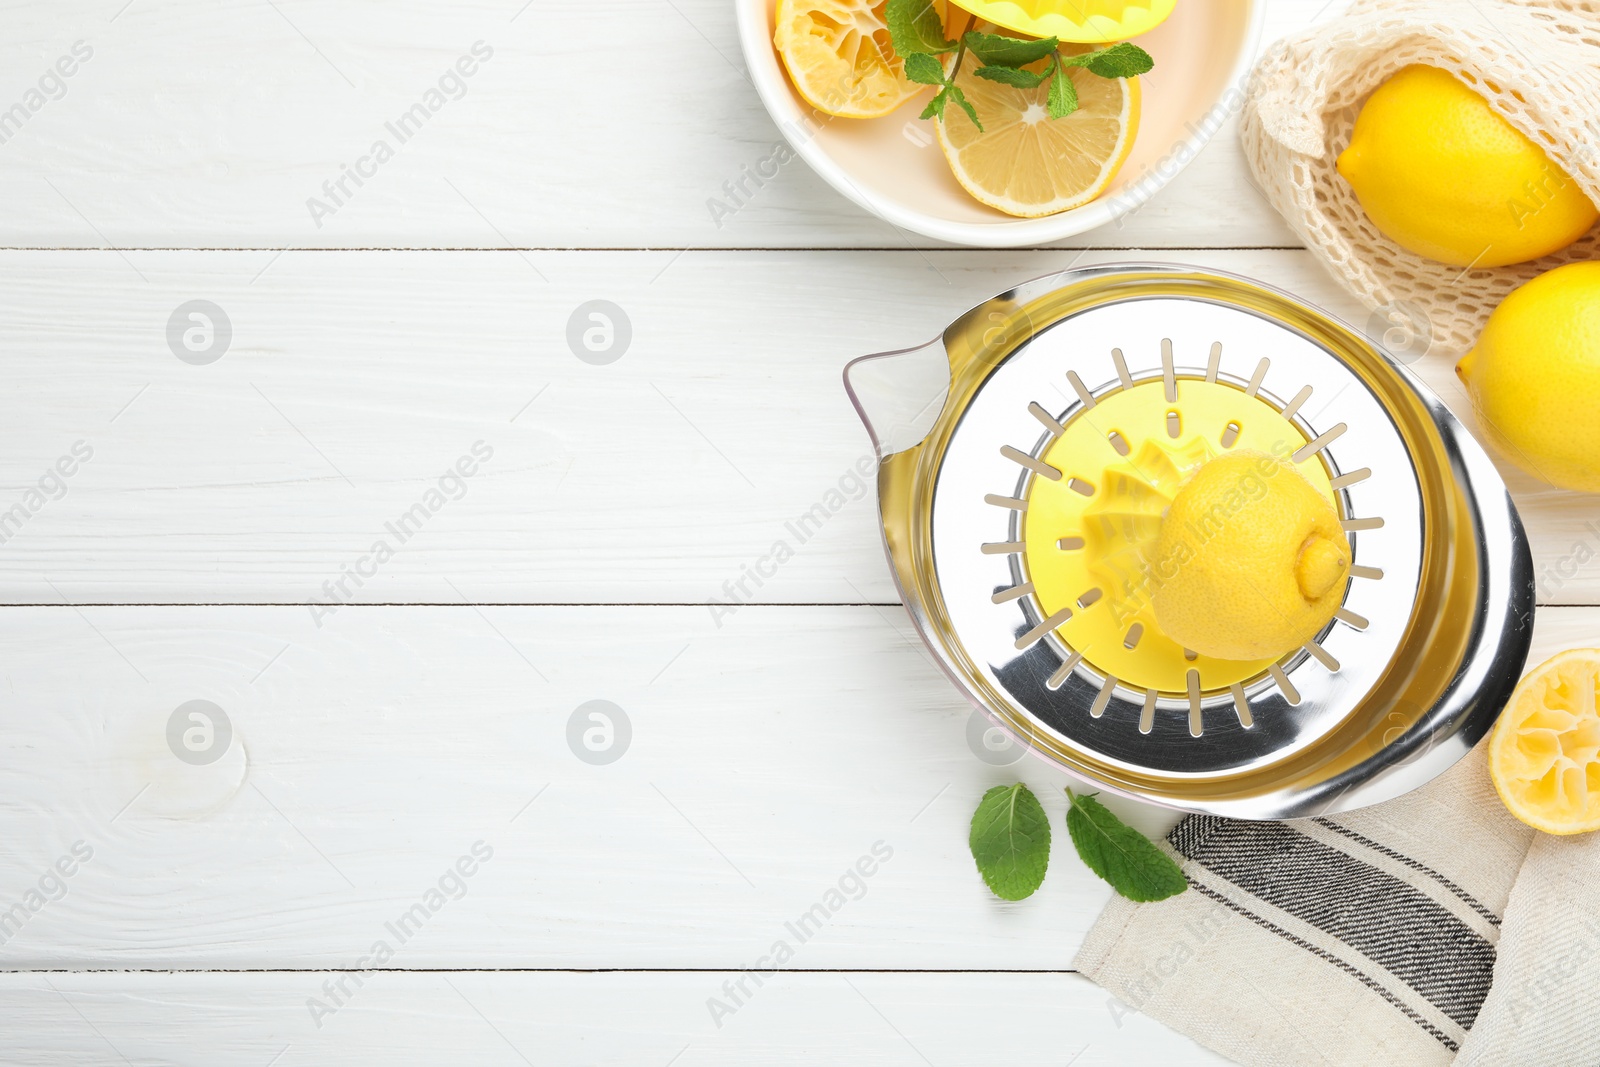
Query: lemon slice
1544	755
1086	21
1025	163
839	57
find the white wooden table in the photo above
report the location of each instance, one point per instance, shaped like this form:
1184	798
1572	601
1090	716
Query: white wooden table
227	912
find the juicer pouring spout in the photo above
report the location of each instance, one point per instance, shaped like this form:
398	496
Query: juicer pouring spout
899	395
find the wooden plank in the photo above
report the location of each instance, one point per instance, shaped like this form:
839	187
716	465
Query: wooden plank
221	1020
355	381
172	134
764	761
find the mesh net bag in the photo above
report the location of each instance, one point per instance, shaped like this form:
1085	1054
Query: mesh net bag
1537	62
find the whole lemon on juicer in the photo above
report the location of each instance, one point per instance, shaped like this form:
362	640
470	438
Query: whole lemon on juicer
1251	562
1443	175
1534	376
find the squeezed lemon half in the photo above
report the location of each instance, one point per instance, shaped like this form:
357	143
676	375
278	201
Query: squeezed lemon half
1544	754
839	56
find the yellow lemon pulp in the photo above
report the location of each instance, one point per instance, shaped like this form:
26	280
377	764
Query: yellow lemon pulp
1443	175
839	57
1025	163
1544	754
1534	376
1084	21
1091	539
1260	559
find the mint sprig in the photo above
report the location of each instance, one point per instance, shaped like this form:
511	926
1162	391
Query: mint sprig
1121	855
1010	841
917	36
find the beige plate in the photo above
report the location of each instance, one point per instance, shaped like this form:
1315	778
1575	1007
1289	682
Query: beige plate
893	168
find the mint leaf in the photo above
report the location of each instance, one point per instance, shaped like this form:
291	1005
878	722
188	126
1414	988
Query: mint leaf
1128	860
1122	60
936	106
915	27
1010	841
1022	79
924	69
1007	51
1063	96
972	113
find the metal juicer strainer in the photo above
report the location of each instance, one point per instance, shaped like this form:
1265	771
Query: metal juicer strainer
1025	456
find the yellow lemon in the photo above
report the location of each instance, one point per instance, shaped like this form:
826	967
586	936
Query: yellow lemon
1024	162
839	56
1261	560
1534	376
1443	175
1084	21
1544	755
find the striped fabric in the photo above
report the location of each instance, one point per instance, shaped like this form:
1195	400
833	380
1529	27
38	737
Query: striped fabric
1379	916
1407	933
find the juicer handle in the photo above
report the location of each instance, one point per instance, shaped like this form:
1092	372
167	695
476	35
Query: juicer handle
899	394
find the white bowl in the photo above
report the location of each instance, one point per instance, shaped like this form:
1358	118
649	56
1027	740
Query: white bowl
892	167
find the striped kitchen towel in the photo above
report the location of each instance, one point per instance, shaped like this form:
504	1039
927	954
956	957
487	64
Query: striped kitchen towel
1433	929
